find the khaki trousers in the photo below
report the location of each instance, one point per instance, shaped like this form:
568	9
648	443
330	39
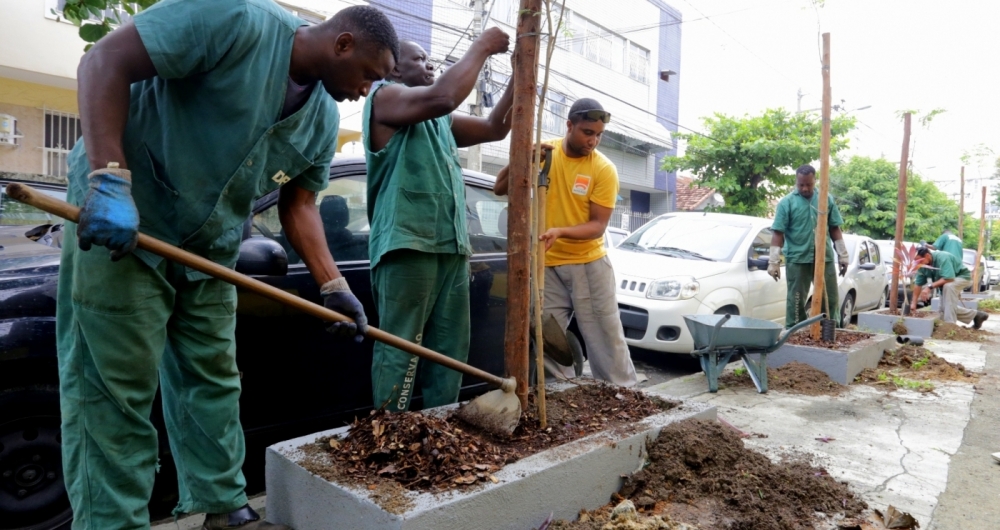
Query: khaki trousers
587	291
951	302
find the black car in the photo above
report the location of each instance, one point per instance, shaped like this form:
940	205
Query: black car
297	379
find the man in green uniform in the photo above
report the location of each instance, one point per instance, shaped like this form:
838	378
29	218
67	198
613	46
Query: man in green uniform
419	246
795	229
950	243
946	271
208	105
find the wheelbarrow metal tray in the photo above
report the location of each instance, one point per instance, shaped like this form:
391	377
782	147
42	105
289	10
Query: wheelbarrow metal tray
750	333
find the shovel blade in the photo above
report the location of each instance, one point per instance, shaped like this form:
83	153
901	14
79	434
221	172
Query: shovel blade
556	345
496	411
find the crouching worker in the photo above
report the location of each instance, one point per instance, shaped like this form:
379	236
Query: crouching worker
944	270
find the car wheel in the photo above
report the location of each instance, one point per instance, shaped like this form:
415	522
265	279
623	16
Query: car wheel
576	347
847	311
32	490
884	301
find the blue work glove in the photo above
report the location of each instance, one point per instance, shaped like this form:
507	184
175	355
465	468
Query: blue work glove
338	297
109	217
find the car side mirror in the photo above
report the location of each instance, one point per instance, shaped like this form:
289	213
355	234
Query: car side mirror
260	256
757	264
867	266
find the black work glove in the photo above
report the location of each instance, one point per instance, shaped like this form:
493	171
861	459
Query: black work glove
337	296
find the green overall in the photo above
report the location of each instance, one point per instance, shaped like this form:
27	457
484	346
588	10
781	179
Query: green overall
796	217
202	143
419	250
951	244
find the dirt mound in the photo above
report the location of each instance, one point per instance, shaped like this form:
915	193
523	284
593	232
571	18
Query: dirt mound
949	331
794	378
911	367
427	453
700	473
844	339
920	313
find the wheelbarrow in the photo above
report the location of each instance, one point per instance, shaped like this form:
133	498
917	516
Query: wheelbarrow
717	338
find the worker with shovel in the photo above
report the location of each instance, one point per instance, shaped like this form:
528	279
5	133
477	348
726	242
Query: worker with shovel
794	229
419	244
189	113
579	280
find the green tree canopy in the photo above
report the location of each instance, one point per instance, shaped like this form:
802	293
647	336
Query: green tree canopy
866	191
751	160
96	18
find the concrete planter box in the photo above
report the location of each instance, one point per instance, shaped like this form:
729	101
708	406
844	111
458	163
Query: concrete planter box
564	479
841	365
966	301
881	323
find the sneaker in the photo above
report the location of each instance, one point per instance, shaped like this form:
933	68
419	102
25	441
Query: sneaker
977	321
996	457
245	519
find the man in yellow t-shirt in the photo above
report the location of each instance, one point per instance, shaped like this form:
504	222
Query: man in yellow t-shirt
579	280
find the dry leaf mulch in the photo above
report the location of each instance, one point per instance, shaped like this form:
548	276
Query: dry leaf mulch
426	453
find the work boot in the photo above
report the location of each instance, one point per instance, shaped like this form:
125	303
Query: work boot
978	320
245	519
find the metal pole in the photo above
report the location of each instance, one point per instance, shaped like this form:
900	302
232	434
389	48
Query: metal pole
476	151
519	227
819	289
900	211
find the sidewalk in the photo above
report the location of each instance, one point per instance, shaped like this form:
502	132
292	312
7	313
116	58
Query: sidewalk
894	448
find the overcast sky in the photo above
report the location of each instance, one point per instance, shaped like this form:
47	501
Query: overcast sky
749	55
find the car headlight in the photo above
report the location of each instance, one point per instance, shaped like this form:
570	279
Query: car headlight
675	288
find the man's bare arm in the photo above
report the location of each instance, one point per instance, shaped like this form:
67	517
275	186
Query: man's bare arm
400	106
304	229
104	77
472	130
777	239
500	186
592	229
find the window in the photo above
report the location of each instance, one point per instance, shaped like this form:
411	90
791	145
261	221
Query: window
876	254
343	210
761	247
863	254
638	62
61	132
487	220
556	113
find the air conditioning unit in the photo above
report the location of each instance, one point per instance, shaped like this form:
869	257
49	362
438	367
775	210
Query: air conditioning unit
8	130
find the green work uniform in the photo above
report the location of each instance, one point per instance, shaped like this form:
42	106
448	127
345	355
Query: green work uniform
951	244
419	251
203	141
796	217
943	265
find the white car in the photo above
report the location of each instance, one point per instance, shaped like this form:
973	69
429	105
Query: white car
689	263
993	267
614	237
865	286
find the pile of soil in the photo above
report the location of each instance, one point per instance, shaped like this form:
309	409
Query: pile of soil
427	453
949	331
794	378
844	339
920	313
700	474
915	363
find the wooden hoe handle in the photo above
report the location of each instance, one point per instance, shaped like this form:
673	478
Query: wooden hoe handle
27	195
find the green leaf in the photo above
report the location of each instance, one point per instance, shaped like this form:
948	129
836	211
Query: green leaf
94	32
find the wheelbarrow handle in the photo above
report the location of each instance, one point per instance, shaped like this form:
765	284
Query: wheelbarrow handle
715	333
796	327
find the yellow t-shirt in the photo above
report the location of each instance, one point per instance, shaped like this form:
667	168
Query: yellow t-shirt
573	184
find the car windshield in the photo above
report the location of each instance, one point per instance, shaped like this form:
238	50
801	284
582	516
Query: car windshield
17	213
695	237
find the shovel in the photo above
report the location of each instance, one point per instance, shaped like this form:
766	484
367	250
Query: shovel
496	411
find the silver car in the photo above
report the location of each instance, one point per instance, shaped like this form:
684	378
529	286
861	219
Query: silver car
864	287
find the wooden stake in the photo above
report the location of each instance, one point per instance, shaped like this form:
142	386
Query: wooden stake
961	203
900	211
518	225
819	289
979	252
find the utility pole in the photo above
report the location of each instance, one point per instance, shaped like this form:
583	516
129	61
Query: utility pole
476	151
961	203
900	211
798	106
819	289
519	244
